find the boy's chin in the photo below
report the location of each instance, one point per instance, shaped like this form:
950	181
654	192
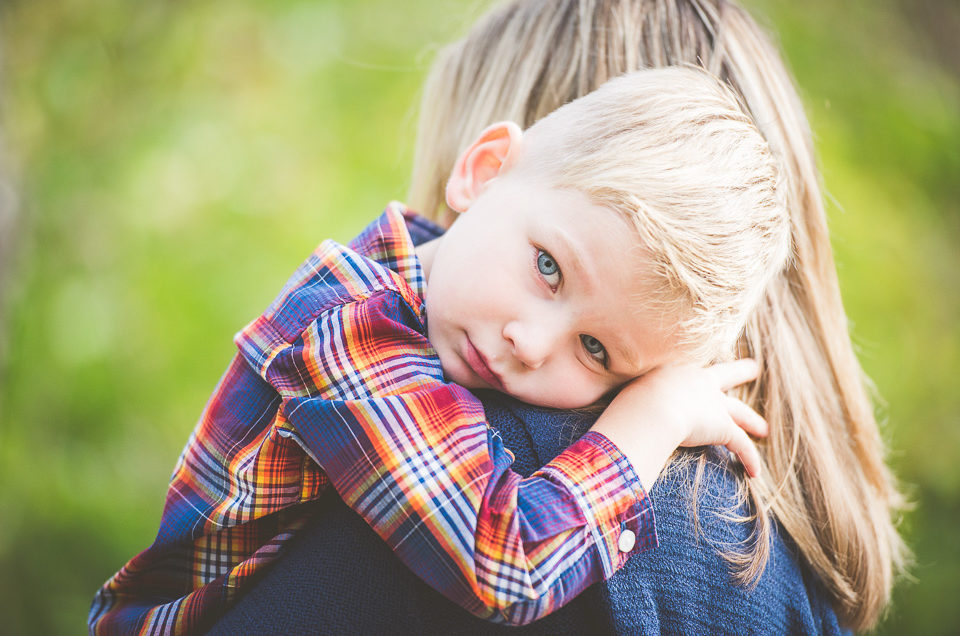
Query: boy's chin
454	375
471	383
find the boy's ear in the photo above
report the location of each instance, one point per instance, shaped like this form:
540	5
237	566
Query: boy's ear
490	154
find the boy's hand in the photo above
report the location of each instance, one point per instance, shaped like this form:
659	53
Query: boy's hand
683	406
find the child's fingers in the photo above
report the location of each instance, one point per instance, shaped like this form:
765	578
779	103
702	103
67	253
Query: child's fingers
745	417
746	451
734	373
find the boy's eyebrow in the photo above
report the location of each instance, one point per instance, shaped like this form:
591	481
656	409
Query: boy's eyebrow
629	366
571	254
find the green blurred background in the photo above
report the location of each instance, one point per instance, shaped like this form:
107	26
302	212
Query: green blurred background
169	164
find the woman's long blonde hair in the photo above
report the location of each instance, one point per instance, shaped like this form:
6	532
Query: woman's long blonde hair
826	481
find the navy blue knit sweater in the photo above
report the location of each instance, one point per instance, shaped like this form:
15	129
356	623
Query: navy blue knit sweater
339	578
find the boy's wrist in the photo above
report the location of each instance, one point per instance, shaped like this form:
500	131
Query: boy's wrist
645	441
611	495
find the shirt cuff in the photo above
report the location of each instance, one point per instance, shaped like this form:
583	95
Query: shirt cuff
615	504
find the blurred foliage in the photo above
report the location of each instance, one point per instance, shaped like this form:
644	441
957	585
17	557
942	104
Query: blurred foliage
175	161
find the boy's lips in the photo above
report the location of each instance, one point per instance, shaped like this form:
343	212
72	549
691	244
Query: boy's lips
479	365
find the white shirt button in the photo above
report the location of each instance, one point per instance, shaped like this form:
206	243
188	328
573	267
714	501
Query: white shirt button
628	539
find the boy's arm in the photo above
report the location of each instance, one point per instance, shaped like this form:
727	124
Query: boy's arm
231	505
363	394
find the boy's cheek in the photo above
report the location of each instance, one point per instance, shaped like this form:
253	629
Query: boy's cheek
569	390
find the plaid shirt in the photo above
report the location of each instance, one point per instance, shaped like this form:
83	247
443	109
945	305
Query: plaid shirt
336	384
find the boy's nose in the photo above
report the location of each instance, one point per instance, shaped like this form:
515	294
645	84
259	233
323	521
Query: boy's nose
532	343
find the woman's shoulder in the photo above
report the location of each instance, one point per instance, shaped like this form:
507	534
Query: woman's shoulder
688	586
685	585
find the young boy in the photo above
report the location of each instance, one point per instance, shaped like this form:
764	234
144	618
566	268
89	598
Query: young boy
541	290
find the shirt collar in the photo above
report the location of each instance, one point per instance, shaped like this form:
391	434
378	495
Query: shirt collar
391	240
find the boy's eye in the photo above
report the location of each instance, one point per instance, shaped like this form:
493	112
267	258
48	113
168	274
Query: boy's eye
547	265
595	348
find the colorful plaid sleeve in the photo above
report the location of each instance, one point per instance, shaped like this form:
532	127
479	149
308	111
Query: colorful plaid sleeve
337	373
230	507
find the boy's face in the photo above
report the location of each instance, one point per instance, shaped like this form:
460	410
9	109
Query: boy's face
538	292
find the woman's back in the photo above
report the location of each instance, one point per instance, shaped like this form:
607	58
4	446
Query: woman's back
825	482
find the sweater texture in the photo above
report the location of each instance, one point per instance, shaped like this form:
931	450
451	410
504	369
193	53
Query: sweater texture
338	577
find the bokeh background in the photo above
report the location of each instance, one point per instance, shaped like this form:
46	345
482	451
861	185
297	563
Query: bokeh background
167	164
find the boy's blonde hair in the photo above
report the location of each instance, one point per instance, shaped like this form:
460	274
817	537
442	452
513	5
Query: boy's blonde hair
672	151
825	479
